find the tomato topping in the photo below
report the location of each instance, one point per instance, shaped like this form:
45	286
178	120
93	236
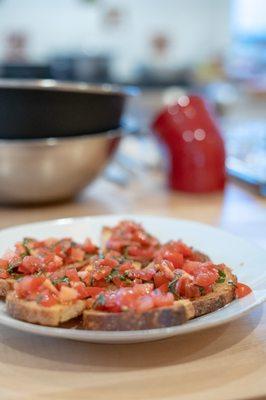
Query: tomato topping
160	300
47	299
30	265
205	273
242	290
52	262
89	247
186	288
175	252
159	279
164	288
132	240
29	285
140	298
166	267
72	275
94	291
77	254
101	272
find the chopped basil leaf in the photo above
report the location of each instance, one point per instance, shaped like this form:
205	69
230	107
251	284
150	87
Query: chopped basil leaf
13	265
112	274
64	279
100	300
25	243
202	290
222	276
172	285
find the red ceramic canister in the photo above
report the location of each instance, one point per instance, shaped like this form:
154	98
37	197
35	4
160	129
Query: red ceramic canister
194	145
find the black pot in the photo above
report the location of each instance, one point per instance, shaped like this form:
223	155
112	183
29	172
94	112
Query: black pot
45	108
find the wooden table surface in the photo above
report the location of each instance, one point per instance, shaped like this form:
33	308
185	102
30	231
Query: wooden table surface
228	362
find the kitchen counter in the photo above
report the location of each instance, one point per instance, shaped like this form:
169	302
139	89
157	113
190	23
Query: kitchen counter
227	362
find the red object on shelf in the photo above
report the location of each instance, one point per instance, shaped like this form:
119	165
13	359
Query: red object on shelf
195	148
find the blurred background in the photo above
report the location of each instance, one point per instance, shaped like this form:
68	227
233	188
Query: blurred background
214	48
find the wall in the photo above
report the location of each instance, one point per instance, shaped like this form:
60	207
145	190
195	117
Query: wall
197	28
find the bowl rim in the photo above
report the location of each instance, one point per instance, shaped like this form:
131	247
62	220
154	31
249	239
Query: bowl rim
52	141
66	86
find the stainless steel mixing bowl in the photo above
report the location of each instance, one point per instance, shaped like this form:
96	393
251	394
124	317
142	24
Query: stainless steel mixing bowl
45	170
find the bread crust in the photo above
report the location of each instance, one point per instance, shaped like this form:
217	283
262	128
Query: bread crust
6	285
162	317
31	311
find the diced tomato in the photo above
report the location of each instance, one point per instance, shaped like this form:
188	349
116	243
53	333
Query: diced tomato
143	274
118	282
28	285
52	262
176	259
205	274
94	291
166	267
242	290
163	288
101	283
72	275
186	288
30	265
191	267
206	278
125	267
62	247
162	300
131	239
82	290
143	289
101	272
89	247
77	254
159	279
47	299
174	251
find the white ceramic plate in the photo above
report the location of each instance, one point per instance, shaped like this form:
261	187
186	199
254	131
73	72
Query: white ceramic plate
246	259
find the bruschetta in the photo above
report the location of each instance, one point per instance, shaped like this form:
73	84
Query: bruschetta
132	282
37	300
32	256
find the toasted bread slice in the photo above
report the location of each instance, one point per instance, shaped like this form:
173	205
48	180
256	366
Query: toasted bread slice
180	312
177	314
6	285
223	293
31	311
